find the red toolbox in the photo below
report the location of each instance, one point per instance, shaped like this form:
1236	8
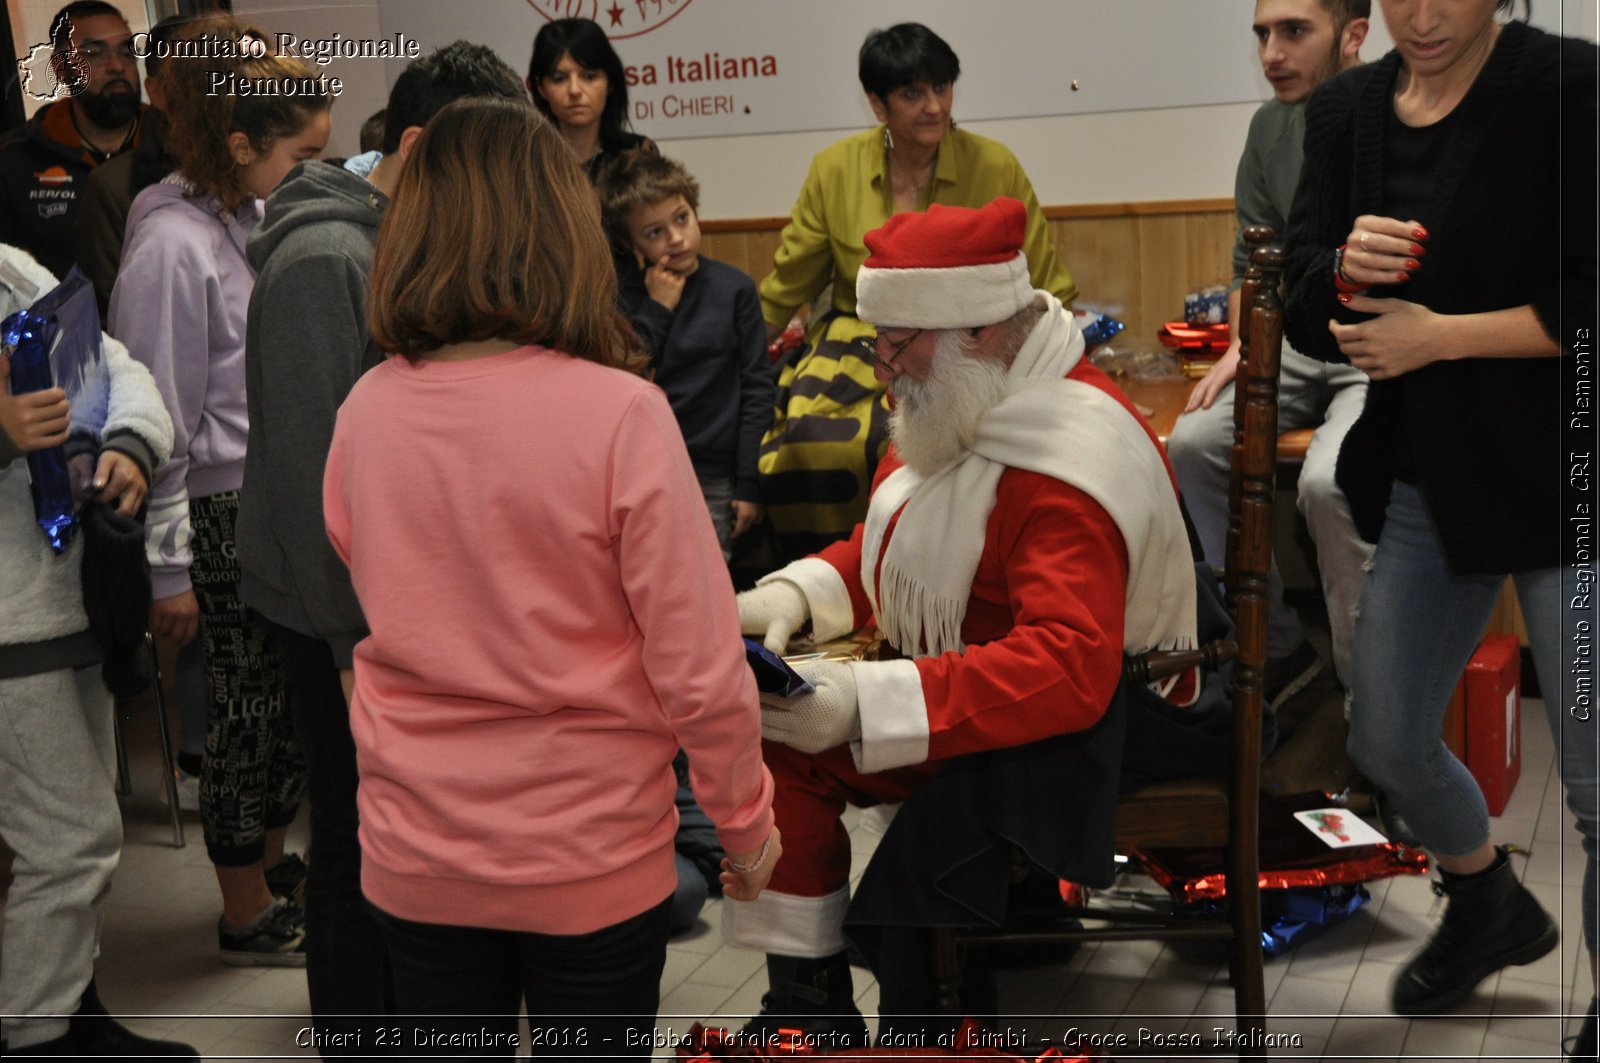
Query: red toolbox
1492	711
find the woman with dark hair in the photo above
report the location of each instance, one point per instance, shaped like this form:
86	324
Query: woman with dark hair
180	303
562	625
816	471
577	80
1443	241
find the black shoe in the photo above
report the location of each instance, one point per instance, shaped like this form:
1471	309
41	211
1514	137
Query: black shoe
1580	1048
277	938
809	1005
287	878
1491	922
1287	676
92	1032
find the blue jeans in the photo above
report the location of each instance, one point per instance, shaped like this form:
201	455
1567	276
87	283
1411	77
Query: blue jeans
587	995
718	493
1417	626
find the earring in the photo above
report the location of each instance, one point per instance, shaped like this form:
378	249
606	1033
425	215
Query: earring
888	139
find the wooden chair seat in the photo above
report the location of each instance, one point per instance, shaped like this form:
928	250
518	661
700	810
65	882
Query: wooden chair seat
1176	813
1292	445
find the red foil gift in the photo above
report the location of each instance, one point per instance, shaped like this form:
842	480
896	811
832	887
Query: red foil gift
973	1043
1291	857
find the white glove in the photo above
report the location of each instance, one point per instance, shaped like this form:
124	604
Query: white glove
775	611
822	719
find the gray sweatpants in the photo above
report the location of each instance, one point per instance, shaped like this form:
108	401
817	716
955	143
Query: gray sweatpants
59	815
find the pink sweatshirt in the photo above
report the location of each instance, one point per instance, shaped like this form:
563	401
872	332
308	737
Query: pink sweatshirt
551	618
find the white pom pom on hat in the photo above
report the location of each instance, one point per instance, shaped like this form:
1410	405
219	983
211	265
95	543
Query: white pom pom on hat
946	267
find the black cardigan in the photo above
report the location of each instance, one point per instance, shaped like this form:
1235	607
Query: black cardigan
1512	224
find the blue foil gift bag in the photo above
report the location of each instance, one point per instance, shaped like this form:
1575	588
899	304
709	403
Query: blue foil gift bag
56	343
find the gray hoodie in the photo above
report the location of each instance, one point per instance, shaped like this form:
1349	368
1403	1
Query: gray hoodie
307	339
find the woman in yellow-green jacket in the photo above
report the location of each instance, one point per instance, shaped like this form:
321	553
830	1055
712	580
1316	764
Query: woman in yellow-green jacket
832	419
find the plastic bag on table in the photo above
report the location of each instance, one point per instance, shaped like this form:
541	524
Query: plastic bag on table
1137	362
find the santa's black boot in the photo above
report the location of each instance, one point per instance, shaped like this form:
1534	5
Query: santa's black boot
1491	922
809	1000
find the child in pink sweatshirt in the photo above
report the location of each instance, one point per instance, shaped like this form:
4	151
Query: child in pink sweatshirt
551	617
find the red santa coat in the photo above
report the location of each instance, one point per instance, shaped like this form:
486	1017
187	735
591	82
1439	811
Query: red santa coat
1043	627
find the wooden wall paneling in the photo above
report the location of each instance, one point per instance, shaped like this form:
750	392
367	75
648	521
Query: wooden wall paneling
1164	276
1210	247
1133	260
1102	254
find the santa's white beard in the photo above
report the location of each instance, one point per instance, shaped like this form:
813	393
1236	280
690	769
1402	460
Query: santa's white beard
936	420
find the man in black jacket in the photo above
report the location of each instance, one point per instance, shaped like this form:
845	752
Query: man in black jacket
45	165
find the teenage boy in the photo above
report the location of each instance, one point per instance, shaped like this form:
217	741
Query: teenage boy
1300	43
700	321
307	340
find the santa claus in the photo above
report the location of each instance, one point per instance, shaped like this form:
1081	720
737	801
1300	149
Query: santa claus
1023	534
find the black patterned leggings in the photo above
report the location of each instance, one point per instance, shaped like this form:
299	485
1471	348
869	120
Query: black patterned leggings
254	775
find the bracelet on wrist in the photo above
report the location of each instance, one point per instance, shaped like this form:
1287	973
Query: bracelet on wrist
761	858
1341	280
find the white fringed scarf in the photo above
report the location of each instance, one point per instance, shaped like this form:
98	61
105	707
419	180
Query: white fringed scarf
1064	429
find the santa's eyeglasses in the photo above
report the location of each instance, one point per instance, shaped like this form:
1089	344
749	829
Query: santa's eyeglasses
897	348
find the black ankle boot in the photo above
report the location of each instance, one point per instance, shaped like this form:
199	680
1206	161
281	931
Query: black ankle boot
1491	922
815	998
1580	1048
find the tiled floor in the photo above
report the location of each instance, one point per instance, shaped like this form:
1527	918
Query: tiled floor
1327	997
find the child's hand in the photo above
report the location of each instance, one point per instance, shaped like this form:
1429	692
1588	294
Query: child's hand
745	516
119	482
747	885
37	419
176	618
664	285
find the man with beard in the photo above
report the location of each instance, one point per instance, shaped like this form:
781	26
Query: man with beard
1300	44
45	164
1022	535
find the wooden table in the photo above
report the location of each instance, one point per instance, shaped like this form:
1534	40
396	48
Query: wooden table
1161	401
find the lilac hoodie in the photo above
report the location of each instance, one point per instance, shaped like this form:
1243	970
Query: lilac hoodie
179	304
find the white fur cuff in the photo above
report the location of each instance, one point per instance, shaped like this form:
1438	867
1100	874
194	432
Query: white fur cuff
894	716
832	616
807	928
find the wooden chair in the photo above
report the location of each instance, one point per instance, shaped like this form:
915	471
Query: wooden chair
1216	811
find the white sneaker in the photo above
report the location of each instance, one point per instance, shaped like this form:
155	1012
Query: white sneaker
188	790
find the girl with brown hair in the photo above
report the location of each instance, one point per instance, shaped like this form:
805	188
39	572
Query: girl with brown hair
550	614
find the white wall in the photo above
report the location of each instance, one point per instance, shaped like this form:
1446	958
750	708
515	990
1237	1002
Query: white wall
1113	157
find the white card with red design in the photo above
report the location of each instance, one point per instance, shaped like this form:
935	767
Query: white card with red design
1339	827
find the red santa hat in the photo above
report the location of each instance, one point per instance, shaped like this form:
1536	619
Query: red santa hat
947	267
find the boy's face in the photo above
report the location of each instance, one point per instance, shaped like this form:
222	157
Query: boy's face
668	229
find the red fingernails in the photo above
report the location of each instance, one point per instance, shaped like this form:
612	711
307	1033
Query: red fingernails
1419	233
1412	263
1343	298
1418	250
1403	277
